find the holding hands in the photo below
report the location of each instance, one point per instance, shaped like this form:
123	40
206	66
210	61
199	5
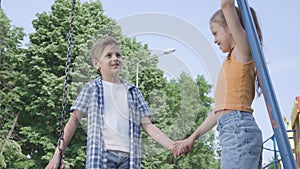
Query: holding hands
182	147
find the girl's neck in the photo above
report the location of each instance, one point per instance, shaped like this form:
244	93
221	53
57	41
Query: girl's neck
230	52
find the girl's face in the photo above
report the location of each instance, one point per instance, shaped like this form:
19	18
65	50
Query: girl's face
222	36
110	63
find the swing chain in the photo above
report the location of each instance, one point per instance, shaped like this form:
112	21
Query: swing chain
64	104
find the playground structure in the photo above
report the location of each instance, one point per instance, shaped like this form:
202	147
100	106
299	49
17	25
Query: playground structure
295	126
275	115
293	131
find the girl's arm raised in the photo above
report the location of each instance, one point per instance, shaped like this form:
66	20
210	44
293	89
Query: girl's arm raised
241	48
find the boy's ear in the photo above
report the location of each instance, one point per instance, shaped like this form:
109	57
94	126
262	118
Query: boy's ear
95	63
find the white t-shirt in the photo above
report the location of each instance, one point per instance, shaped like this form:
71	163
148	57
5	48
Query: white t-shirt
116	117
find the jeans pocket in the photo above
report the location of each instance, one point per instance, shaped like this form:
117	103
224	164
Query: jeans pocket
254	142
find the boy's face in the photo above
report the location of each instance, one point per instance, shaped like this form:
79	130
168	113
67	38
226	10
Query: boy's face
110	63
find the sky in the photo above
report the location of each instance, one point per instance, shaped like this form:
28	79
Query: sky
184	25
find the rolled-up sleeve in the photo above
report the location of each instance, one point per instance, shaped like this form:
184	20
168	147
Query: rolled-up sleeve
83	99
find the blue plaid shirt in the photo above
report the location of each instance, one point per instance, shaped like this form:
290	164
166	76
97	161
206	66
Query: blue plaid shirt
91	103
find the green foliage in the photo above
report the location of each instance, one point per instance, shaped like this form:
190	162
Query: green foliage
274	163
11	93
184	104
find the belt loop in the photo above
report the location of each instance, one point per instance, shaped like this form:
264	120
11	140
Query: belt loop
239	113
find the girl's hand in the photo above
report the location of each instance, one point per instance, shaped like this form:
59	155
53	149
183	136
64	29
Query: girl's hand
182	147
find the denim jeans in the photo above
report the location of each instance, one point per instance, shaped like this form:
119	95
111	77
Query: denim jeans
241	141
117	160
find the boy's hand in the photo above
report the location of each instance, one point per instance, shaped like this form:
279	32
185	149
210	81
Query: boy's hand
179	148
54	162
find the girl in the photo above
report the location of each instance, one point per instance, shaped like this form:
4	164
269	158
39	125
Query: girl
240	137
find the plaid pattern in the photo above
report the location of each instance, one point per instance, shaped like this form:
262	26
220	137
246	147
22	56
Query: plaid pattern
91	103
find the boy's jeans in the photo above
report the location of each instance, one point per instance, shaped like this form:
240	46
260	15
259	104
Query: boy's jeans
241	141
117	160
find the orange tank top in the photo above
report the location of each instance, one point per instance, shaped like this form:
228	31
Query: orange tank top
235	88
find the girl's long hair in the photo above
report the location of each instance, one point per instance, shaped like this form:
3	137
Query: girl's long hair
218	17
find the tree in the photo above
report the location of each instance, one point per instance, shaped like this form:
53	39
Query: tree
187	105
11	93
203	154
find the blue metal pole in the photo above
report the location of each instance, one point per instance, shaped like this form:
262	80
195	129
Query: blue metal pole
267	88
275	153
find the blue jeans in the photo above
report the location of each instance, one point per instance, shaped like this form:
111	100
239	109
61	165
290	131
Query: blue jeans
241	141
117	160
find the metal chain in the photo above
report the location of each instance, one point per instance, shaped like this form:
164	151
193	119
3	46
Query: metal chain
64	104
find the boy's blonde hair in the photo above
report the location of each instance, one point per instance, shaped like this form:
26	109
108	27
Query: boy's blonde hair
100	46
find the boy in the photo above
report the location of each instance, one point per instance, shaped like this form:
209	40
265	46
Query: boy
115	110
